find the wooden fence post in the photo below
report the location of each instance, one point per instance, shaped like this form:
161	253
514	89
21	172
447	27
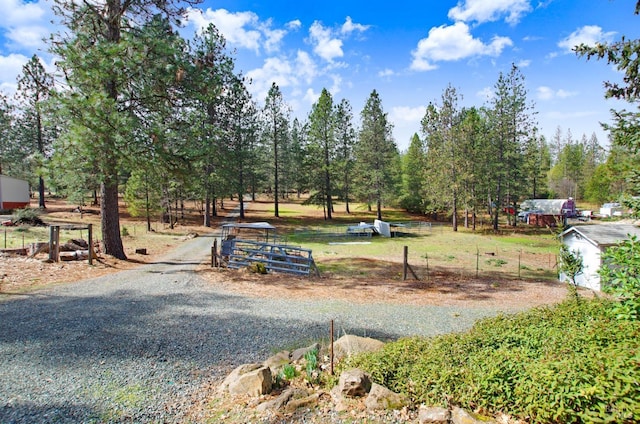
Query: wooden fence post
54	243
90	236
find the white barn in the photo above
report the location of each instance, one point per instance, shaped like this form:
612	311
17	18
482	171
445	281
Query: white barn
591	241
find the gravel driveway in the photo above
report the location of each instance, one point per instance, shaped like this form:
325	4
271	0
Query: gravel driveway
135	346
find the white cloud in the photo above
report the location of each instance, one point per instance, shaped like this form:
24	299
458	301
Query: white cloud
386	73
311	96
588	34
10	68
273	37
490	10
547	93
337	82
242	29
286	72
17	12
305	66
523	63
408	114
325	45
231	25
275	70
486	94
31	36
294	25
348	27
26	24
451	43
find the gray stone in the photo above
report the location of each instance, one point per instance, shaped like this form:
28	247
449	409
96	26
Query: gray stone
304	402
433	415
279	403
298	354
354	383
277	361
382	398
248	379
349	345
460	416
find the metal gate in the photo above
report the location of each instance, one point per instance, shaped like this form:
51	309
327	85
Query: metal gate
275	257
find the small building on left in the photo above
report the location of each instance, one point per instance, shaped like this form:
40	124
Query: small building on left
14	193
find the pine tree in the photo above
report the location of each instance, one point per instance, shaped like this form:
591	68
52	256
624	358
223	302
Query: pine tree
377	156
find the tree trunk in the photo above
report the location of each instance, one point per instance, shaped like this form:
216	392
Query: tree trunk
111	219
207	210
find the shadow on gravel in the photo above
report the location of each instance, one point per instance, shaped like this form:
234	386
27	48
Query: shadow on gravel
58	413
167	344
202	328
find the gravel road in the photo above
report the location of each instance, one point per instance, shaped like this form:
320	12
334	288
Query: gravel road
135	346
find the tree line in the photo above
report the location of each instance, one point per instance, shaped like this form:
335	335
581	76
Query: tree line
136	109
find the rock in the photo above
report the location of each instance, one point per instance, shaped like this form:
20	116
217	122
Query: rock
433	415
354	383
382	398
460	416
295	404
277	361
339	401
349	345
248	379
298	354
279	403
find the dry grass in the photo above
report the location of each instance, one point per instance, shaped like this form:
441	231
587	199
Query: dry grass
355	273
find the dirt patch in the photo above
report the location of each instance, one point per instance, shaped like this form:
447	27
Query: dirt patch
383	284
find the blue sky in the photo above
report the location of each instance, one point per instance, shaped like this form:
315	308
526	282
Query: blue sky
409	53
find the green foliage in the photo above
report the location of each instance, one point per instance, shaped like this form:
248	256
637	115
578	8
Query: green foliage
496	262
620	276
571	265
258	268
288	372
573	362
311	365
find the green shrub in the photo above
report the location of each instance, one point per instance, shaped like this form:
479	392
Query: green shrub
27	216
288	372
574	362
621	277
258	268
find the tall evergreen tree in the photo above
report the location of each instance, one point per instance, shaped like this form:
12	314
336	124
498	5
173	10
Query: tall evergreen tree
413	167
345	141
512	124
276	128
444	148
322	141
102	55
377	156
34	90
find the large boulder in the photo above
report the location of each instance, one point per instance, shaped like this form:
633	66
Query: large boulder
248	379
380	397
354	383
349	345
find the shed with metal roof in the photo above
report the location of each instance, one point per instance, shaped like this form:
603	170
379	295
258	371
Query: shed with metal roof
591	241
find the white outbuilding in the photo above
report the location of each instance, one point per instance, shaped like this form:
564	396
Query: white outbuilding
591	241
14	193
